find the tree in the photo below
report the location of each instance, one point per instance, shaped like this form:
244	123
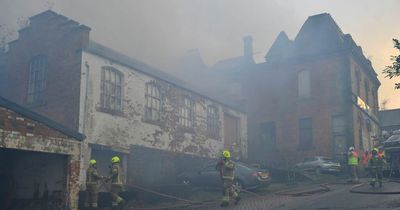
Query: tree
5	37
394	69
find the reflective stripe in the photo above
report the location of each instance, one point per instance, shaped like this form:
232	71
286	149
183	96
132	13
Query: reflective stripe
225	198
227	177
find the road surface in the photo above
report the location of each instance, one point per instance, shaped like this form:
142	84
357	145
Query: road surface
338	198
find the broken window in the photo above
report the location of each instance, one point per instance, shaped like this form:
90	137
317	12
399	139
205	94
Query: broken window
111	89
153	102
305	134
213	121
37	82
186	117
304	85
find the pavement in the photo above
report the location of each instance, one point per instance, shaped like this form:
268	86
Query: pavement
338	197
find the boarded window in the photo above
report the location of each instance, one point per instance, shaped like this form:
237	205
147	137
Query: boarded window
153	102
213	121
304	85
111	89
37	82
186	113
305	133
268	136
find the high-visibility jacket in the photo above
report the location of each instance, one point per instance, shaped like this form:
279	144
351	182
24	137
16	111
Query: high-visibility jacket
381	154
228	170
92	177
353	158
116	174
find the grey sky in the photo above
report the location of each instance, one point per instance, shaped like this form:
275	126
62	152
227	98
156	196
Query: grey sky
160	31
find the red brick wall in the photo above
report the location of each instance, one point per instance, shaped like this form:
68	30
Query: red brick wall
11	121
272	97
61	41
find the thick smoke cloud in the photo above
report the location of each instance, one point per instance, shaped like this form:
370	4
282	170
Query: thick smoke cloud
159	32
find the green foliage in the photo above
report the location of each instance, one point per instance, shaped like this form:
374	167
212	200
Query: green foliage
394	69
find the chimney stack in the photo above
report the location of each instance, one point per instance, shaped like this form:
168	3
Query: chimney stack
248	47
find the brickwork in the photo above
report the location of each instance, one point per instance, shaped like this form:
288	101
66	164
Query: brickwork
19	132
61	40
273	97
14	122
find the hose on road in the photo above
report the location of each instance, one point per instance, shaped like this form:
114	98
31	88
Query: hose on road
356	189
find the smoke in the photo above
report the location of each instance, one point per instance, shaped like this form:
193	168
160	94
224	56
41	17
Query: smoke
160	32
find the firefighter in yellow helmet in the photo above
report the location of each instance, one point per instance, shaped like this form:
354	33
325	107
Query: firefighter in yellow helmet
226	168
92	184
116	181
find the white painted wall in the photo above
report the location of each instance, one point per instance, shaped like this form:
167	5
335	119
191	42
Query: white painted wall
121	132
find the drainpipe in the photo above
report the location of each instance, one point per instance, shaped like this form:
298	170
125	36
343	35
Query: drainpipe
85	145
86	97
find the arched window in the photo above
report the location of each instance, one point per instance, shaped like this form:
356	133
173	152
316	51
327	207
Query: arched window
153	102
212	121
37	82
111	89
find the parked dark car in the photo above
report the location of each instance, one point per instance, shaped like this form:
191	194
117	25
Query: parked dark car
319	164
246	177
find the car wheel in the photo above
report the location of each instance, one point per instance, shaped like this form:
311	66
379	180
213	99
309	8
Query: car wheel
239	184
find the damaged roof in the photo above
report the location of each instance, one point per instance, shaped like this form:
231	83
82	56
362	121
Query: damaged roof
40	118
106	52
319	35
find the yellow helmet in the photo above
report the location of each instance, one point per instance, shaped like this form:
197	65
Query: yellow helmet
92	162
375	150
226	154
115	159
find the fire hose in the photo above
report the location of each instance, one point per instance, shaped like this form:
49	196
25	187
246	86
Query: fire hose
356	189
191	203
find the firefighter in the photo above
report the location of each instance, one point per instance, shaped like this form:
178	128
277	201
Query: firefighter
92	184
116	181
227	169
352	162
376	164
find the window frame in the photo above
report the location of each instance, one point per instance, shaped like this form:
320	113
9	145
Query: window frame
304	132
153	97
186	113
106	93
271	127
213	128
37	80
304	84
